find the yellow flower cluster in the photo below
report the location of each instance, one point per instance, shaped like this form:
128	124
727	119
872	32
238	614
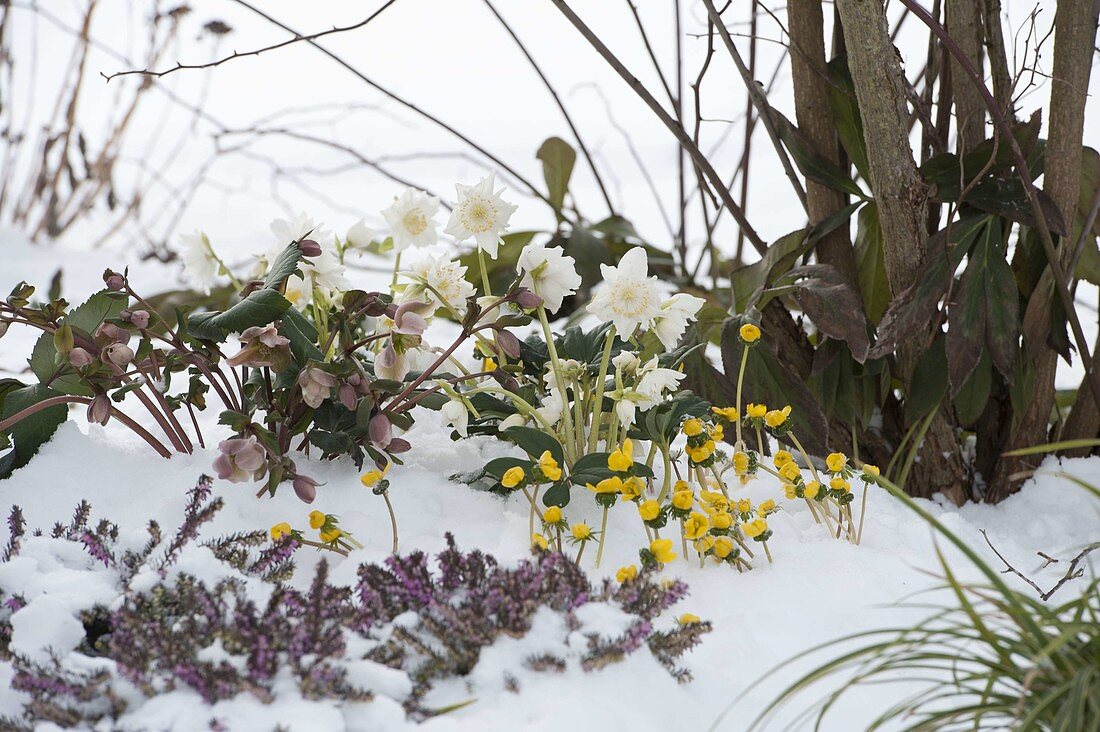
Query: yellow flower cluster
702	441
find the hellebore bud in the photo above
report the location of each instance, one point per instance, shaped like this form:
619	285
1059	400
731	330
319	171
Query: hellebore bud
80	358
119	354
113	280
380	430
140	318
309	248
242	459
398	445
508	342
527	299
305	488
99	409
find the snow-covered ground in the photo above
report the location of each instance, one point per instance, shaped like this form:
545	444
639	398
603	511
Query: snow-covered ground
818	588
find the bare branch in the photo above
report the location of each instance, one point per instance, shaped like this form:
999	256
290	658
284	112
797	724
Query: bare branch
1071	574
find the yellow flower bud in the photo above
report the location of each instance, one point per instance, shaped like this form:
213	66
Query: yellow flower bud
812	489
632	488
551	515
836	462
316	519
776	417
649	510
614	484
721	520
756	411
692	427
540	541
790	491
766	507
755	528
744	505
749	333
330	535
622	459
741	463
782	458
839	484
489	364
688	619
683	500
371	478
513	477
278	531
790	471
549	466
723	547
626	574
871	470
729	413
581	531
661	549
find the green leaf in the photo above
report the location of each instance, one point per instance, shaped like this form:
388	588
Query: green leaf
972	397
302	336
260	308
32	432
283	267
497	467
833	306
535	442
812	164
929	384
83	319
558	158
590	252
874	286
557	495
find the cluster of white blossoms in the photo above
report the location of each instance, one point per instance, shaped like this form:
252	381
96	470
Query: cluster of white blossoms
628	297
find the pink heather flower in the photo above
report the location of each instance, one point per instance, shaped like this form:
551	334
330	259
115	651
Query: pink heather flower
316	385
262	346
242	460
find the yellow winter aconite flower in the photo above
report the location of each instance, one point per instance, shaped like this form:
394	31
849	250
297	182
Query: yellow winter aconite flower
871	470
790	491
489	364
740	462
278	531
661	549
812	489
331	535
513	476
549	466
766	507
777	417
649	510
790	471
692	427
704	544
729	413
683	500
723	547
581	531
371	478
627	573
688	619
551	515
839	484
539	540
749	333
755	528
717	433
836	462
316	519
614	484
680	485
696	525
714	500
632	488
622	459
702	452
756	411
782	458
721	520
744	505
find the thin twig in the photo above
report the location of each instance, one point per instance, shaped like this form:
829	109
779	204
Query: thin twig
1071	574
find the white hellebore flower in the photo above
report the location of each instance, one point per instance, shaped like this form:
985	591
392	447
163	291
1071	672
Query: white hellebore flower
287	231
676	313
629	298
455	414
199	265
480	214
359	236
548	273
654	382
411	219
439	281
626	361
552	406
326	272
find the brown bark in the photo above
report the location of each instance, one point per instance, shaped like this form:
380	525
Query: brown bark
815	119
1075	34
902	203
964	23
998	57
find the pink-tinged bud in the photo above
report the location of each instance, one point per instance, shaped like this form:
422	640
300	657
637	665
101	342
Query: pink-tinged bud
99	409
347	396
316	385
112	332
113	280
80	358
262	346
119	354
508	343
309	248
398	445
140	318
506	380
380	430
527	299
305	488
